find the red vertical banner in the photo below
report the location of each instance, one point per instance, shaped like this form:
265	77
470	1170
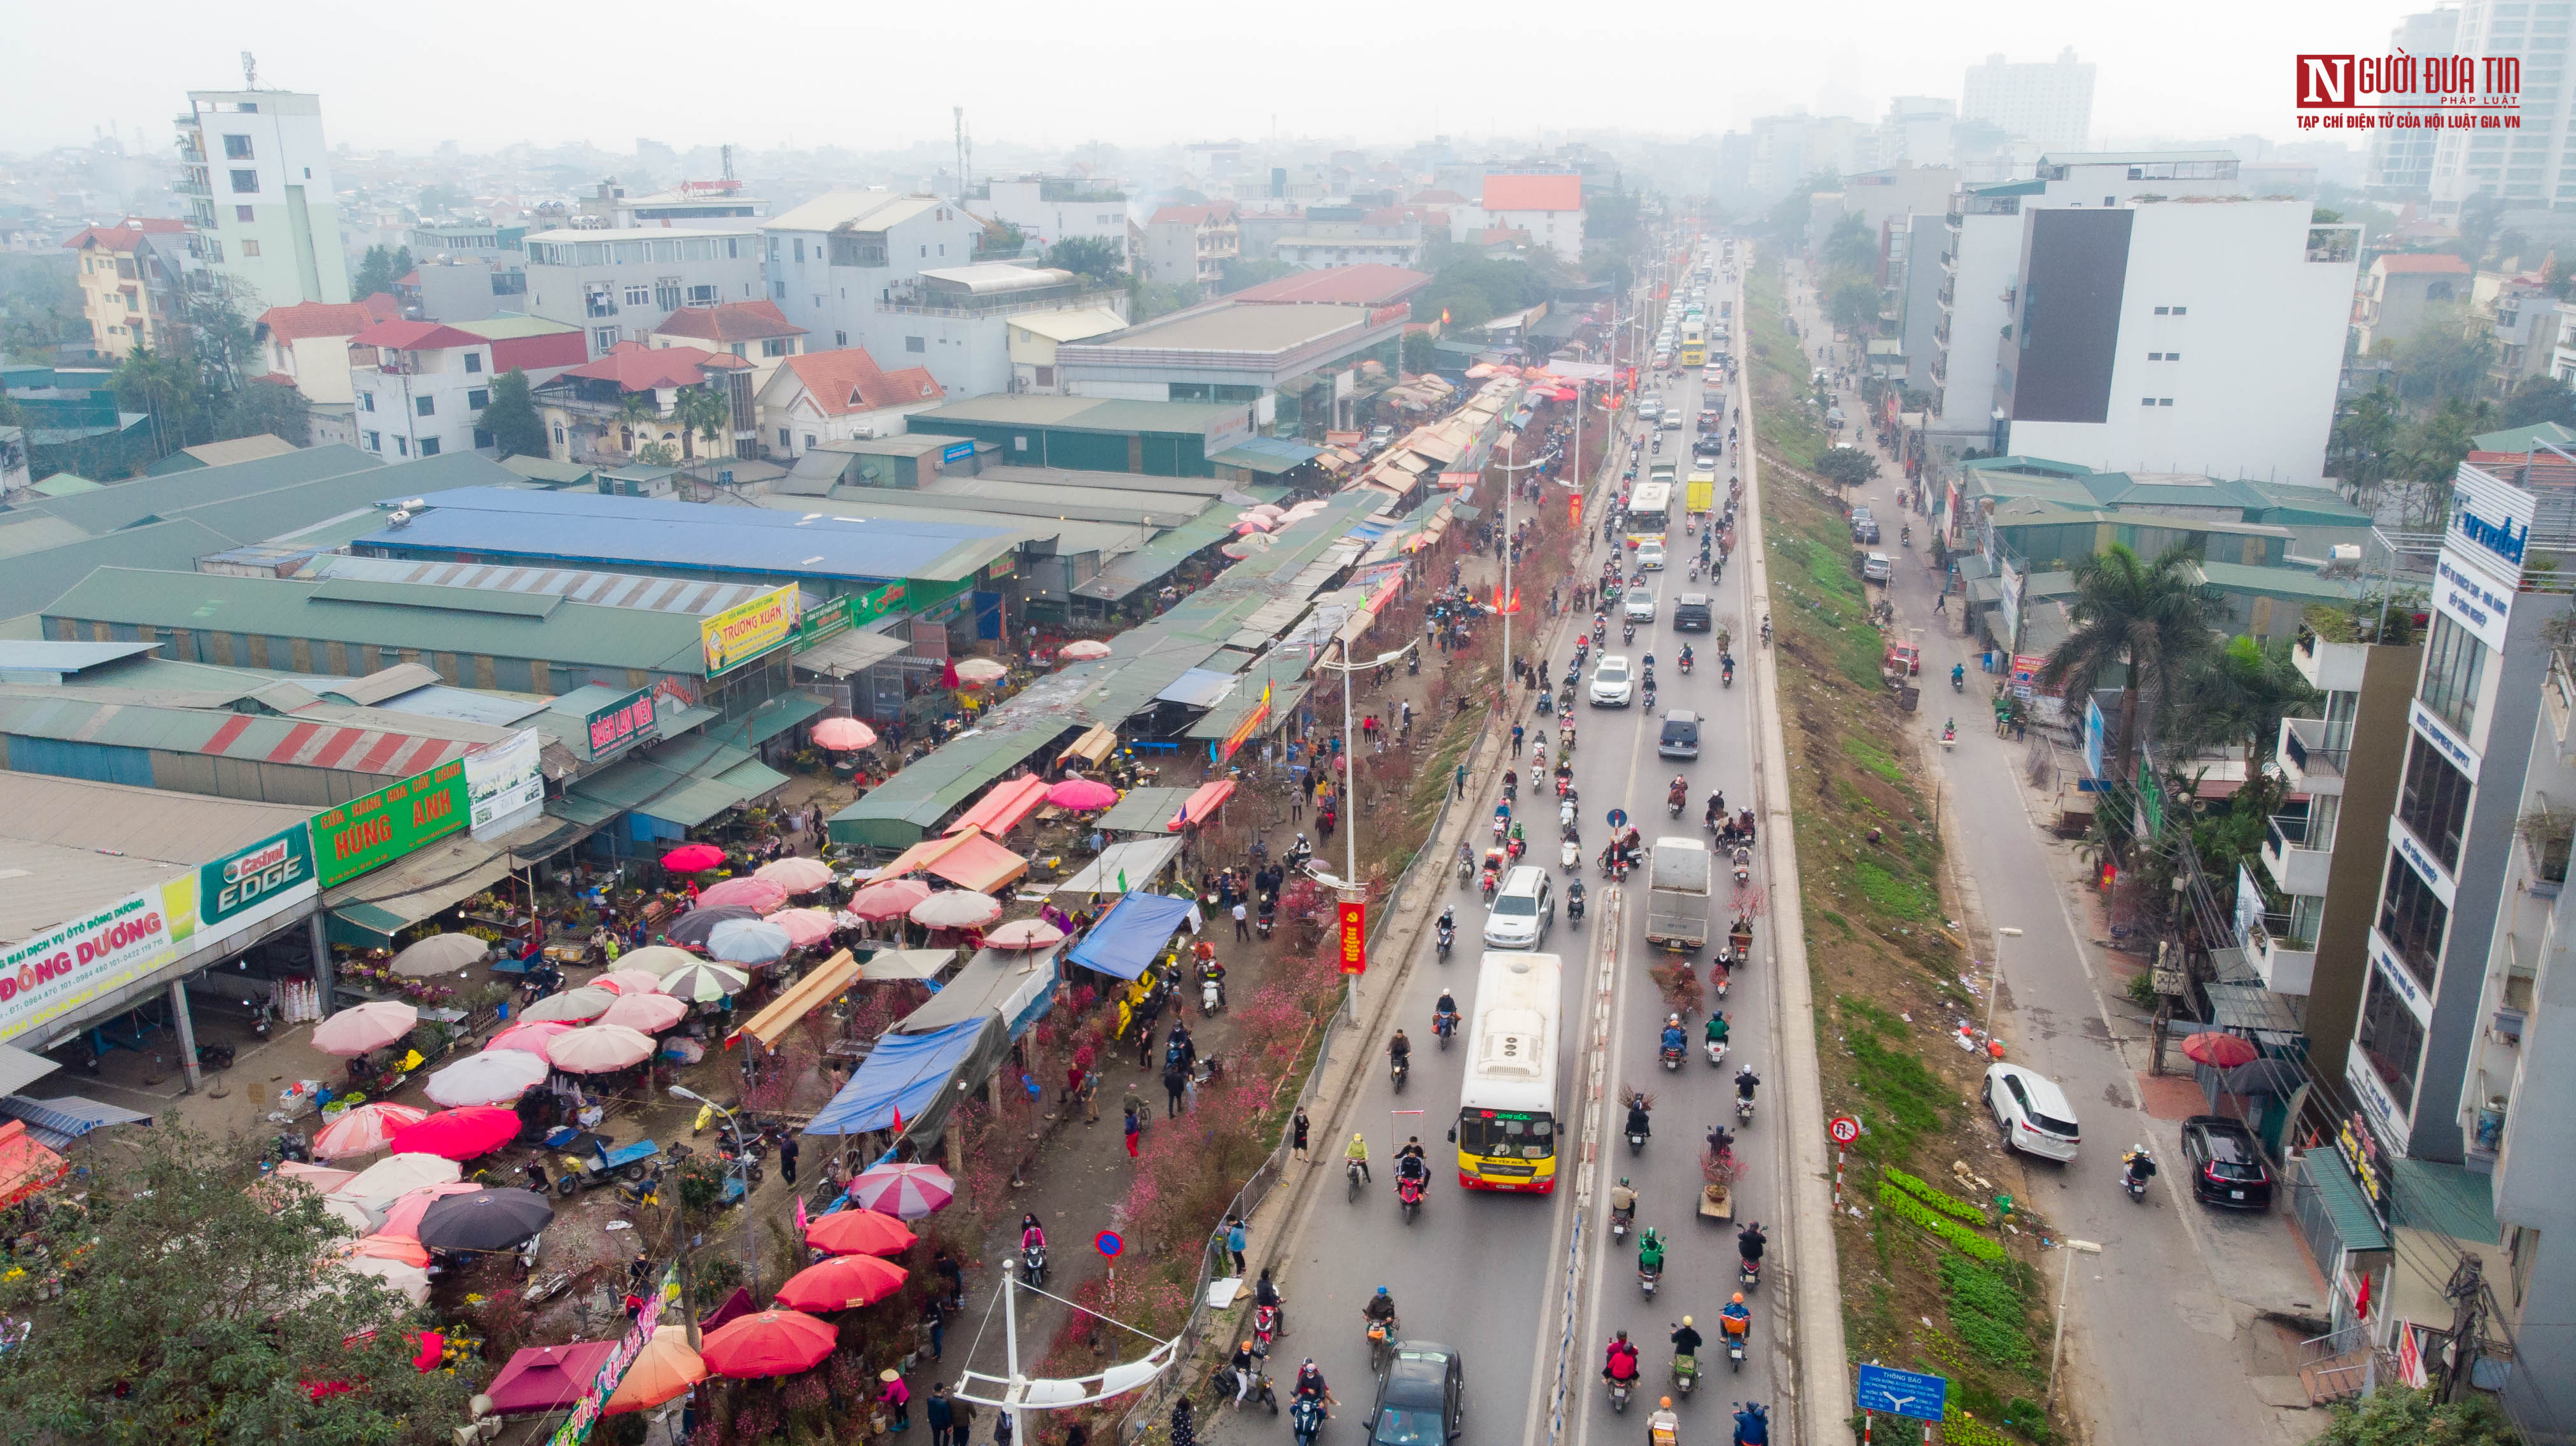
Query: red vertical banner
1575	508
1354	922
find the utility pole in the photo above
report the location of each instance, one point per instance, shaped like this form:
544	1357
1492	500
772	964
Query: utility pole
2468	1321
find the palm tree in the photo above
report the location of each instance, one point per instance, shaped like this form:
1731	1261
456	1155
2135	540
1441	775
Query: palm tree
637	408
707	412
2156	618
2240	694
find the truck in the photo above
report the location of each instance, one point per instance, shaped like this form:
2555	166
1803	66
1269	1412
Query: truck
1702	496
1677	894
1663	472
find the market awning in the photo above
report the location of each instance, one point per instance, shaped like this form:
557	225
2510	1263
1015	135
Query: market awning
1093	747
59	1121
548	1378
369	911
1266	454
1128	937
967	859
887	965
1198	688
2355	1224
1202	804
683	782
20	1068
903	1077
1017	985
773	717
849	651
799	999
25	1165
1143	810
1123	867
1006	807
1224	718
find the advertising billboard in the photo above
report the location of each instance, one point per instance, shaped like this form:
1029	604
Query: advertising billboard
744	631
375	829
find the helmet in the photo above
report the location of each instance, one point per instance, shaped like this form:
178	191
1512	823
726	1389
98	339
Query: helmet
1739	1297
1360	1139
1666	1403
1686	1320
1623	1179
1672	1019
1381	1290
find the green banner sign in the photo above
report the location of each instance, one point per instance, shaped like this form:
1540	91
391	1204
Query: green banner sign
264	872
372	831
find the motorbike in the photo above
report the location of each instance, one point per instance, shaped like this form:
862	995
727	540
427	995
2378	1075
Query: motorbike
1949	738
1735	1349
1958	680
1033	1264
1448	936
1748	1274
1227	1383
1267	919
1674	803
1726	676
1351	1171
1488	886
1694	576
1620	1221
1466	871
1685	1373
1716	1051
1444	1025
1574	909
1565	810
1600	630
1265	1326
1744	1109
1619	1393
1649	698
1672	1056
2134	1180
1408	1193
1649	1277
1686	661
1743	865
1412	665
1628	631
1396	1070
1211	995
1572	857
1381	1339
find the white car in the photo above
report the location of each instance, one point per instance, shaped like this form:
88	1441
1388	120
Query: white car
1640	607
1611	684
1650	557
2033	1113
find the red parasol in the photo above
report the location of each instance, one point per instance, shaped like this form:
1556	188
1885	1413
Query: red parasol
891	899
2218	1049
459	1134
692	858
844	1282
746	892
771	1343
859	1232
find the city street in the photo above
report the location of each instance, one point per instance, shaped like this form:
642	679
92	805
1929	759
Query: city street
2180	1294
1485	1272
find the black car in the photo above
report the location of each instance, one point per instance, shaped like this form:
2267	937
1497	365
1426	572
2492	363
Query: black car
2226	1165
1422	1398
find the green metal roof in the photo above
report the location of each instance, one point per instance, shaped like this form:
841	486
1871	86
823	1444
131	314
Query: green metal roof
1084	414
684	782
127	503
453	599
66	484
2296	582
779	714
1154	561
2516	439
1225	717
575	633
1145	810
2354	1223
31	580
901	811
2451	1200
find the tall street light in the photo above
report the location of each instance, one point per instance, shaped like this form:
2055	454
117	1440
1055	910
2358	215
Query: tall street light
1353	889
739	1167
2072	1248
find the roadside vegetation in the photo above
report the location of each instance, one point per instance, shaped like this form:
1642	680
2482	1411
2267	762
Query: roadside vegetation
1935	1274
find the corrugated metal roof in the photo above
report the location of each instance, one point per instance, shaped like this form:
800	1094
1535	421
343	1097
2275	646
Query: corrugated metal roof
1198	688
384	683
696	596
1068	536
43	660
368	742
31	580
1090	496
1157	559
1224	718
1083	414
849	652
123	505
68	845
34	533
456	599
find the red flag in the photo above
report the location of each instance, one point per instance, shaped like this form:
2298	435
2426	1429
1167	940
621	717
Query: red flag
800	1217
1512	606
898	1119
2361	1298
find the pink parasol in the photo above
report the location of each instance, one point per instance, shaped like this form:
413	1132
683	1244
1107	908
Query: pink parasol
844	735
528	1034
1024	934
804	926
891	899
364	1129
693	858
367	1026
646	1013
957	909
2219	1050
627	979
599	1048
906	1191
795	873
403	1216
1083	651
844	1282
757	894
459	1134
1082	794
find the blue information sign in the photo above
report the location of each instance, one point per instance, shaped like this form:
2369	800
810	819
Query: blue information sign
956	452
1902	1393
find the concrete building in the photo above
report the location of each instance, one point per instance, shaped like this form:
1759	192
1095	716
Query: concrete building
756	331
1049	209
1154	439
617	285
306	346
420	389
133	281
956	321
1916	130
2048	103
690	206
1362	284
838	396
1036	335
1918	297
1353	236
1547	207
2527	168
541	348
1291	363
1189	245
832	260
257	177
589	417
2401	161
462	286
2400	289
2526	321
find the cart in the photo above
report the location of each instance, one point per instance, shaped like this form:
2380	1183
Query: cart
1739	943
1717	1202
590	1161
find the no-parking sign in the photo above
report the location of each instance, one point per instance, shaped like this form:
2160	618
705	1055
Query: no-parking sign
1844	1129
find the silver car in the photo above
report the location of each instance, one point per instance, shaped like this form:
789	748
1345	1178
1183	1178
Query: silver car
1612	686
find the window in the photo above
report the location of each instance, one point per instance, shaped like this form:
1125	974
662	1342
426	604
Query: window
242	214
1045	376
2390	1038
666	294
559	434
366	401
250	248
2173	356
800	250
2164	311
602	338
473	362
639	295
840	338
429	446
245	183
482	438
775	346
785	438
2182	311
2146	401
375	440
237	148
479	398
401	448
2164	401
809	439
2434	804
2454	660
914	343
778	291
426	406
702	295
2412	918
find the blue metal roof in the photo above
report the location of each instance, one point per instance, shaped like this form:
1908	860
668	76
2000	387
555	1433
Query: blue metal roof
581	527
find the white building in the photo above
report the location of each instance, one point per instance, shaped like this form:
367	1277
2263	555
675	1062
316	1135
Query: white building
955	321
752	330
421	389
1548	208
838	396
2401	161
306	346
1035	336
2530	167
1189	245
257	178
832	259
2049	103
2178	336
1048	210
618	284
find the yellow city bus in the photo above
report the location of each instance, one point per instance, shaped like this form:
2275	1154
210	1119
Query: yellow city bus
1650	510
1694	343
1508	1126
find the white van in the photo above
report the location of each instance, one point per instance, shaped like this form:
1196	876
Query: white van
1523	909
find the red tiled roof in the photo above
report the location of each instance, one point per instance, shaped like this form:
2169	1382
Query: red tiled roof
848	380
1194	215
730	321
1533	193
329	318
1369	284
416	336
2441	261
636	367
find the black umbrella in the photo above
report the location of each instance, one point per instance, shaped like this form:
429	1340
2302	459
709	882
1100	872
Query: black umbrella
484	1220
2269	1076
694	926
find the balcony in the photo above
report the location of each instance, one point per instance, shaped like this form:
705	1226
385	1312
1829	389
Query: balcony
2329	667
192	185
2312	766
2288	964
2295	864
2558	696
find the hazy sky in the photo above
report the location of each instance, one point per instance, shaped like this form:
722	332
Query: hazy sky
879	75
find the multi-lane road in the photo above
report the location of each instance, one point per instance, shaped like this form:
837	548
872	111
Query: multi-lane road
1487	1273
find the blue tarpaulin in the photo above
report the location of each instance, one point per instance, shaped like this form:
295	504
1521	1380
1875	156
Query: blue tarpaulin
904	1071
1129	936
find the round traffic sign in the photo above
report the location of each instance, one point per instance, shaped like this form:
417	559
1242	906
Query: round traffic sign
1108	1243
1844	1129
1618	818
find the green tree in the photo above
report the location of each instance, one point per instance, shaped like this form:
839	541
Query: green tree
2239	694
192	1310
1149	299
11	414
1851	300
2540	399
265	406
379	269
2430	456
1420	354
163	383
517	430
2155	617
2362	448
1850	247
2396	1416
637	410
1787	218
1608	267
1000	241
2445	356
1239	273
707	414
1097	257
1846	466
40	306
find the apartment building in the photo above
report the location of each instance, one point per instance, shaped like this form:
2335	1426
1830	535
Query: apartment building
1049	209
2048	103
1189	245
133	281
1353	236
420	389
756	331
838	396
2401	290
2530	167
306	346
617	285
2401	161
832	260
1549	208
256	175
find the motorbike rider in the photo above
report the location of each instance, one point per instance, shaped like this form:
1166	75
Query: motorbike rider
1637	1118
1678	793
1674	1038
1212	972
1032	1234
1958	676
1357	1152
1736	1319
1746	1082
1717	1026
1726	666
2138	1166
1623	1199
1380	1309
1720	1142
1749	1244
1399	1050
1664	1424
1650	1252
1574	900
1686	1341
1686	657
1752	1426
1448	927
1619	1362
1444	1012
1310	1380
1716	809
1411	1165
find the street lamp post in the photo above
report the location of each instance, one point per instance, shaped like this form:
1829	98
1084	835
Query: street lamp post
740	1170
2073	1248
1352	887
1995	980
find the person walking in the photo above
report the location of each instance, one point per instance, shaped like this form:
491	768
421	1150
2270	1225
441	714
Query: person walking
787	1158
934	1320
1090	1096
1297	1133
1175	1081
1242	922
1235	1239
1516	740
961	1427
1135	1127
952	1278
940	1413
